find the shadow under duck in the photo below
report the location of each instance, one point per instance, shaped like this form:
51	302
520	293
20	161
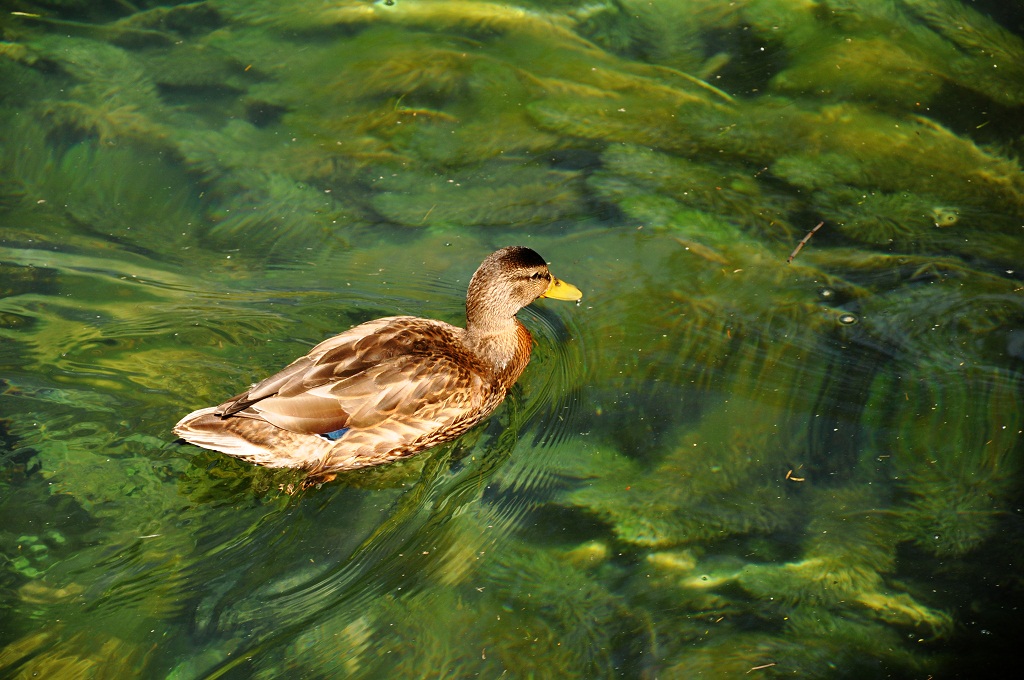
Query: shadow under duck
387	388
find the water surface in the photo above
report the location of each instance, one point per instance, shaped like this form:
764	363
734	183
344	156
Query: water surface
735	456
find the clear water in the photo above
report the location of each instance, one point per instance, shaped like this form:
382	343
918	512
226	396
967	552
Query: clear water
720	463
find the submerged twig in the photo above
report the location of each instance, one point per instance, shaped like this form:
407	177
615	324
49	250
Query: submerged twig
803	242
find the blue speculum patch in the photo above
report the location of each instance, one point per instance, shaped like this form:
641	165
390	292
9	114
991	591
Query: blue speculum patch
335	435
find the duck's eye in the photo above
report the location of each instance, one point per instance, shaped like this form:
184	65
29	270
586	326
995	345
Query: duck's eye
537	275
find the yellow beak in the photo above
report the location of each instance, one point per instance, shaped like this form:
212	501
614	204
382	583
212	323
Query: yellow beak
560	290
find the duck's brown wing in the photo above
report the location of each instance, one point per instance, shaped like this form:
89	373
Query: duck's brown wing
354	350
378	372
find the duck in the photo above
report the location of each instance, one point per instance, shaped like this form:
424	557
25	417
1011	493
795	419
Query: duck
388	388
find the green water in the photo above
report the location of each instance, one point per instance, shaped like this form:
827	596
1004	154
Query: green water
721	463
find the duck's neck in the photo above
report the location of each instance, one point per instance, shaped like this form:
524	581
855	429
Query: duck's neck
502	343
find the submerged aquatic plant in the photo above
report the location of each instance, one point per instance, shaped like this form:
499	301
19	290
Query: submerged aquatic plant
631	174
845	647
709	483
667	32
883	70
73	653
903	220
863	146
498	193
960	470
478	19
990	59
252	209
125	194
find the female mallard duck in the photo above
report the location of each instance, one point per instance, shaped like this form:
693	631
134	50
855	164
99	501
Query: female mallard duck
389	388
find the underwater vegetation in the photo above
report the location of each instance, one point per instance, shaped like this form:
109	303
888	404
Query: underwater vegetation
726	461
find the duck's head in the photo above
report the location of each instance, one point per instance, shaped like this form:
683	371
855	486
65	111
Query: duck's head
508	280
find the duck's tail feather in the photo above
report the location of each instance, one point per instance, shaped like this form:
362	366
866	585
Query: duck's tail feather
251	439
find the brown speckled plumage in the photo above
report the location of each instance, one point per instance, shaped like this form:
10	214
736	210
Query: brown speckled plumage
395	386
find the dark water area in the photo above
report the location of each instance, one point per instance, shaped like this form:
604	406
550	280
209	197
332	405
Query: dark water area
780	436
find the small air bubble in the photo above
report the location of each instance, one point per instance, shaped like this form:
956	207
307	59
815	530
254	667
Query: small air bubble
848	319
